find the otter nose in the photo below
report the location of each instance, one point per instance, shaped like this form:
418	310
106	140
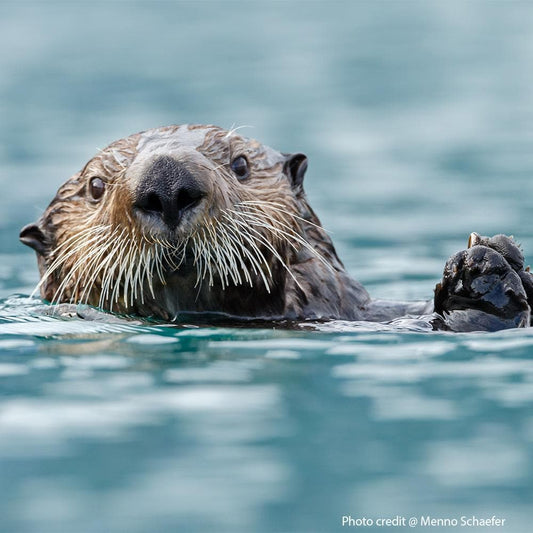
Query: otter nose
168	190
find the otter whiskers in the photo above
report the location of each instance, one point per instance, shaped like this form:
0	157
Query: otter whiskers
288	233
100	261
234	245
109	266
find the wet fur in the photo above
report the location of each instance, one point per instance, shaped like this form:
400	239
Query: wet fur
101	254
250	248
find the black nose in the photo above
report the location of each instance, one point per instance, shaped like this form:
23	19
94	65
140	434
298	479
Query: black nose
168	190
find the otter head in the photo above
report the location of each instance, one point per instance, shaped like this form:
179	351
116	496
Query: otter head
180	219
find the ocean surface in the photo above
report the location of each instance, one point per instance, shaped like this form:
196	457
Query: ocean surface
417	118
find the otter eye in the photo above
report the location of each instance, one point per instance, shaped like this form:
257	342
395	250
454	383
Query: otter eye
96	188
240	167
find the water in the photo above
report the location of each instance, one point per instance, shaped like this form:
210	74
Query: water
417	120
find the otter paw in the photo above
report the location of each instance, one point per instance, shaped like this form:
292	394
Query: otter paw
485	287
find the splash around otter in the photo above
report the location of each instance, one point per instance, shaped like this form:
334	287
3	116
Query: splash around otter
198	219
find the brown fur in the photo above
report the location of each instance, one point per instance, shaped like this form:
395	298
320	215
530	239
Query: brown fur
305	277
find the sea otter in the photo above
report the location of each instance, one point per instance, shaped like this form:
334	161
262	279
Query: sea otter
196	219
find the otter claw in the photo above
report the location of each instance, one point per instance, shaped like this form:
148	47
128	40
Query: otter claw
475	238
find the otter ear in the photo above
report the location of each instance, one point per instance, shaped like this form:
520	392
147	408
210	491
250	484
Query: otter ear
294	168
33	236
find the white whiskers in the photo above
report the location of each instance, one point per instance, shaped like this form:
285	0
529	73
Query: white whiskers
118	267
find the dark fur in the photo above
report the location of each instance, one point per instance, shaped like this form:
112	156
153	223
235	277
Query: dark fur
313	290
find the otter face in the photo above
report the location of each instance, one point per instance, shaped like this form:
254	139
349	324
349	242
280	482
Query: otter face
176	219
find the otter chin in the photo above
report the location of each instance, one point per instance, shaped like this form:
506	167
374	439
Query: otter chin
198	219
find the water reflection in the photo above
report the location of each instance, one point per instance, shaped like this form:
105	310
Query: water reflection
417	122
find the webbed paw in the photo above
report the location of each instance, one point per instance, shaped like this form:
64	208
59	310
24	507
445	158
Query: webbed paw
485	287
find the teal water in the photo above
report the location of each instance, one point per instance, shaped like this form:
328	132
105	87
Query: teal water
417	118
